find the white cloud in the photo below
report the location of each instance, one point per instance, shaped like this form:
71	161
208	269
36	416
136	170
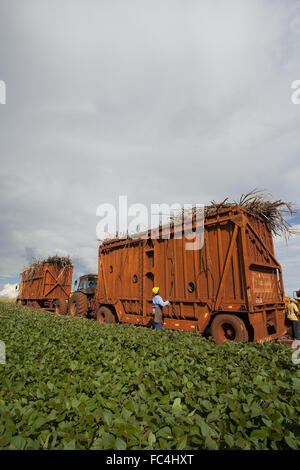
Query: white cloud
288	255
9	291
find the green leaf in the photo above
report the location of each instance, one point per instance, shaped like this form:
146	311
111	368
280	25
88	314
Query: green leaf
182	443
39	422
151	439
205	429
108	441
177	405
255	410
210	444
296	383
267	422
229	440
165	432
71	445
107	417
120	444
258	434
73	365
213	416
207	404
18	442
165	399
291	442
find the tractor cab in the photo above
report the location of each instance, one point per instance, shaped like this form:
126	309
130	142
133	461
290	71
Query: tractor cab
87	284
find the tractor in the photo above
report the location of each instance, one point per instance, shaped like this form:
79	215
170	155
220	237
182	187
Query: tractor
81	302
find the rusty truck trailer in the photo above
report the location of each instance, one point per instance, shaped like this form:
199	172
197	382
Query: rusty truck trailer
47	288
232	285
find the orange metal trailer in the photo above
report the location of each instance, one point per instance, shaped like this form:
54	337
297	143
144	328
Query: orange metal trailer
47	288
231	287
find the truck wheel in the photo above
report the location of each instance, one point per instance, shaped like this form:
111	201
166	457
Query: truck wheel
228	328
60	307
105	315
78	306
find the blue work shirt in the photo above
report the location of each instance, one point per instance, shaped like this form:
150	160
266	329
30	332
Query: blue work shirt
158	302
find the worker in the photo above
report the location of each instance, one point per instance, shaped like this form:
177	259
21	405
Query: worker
293	316
158	305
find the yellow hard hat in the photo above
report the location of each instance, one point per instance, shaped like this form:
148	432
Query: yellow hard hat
155	290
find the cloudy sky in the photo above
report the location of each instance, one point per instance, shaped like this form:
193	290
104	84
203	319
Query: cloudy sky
161	100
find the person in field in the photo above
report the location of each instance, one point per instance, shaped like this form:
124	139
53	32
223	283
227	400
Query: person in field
157	310
293	316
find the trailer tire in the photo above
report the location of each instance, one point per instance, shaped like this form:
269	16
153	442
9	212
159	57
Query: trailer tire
105	315
78	305
60	307
226	327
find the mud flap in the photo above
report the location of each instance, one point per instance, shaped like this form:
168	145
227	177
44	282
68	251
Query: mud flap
259	324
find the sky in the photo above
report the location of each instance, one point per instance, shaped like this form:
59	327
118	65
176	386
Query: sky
161	101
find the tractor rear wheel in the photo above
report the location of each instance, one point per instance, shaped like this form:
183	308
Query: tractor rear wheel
226	327
78	305
60	307
105	315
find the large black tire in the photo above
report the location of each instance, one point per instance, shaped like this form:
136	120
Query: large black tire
226	327
105	315
78	305
60	307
